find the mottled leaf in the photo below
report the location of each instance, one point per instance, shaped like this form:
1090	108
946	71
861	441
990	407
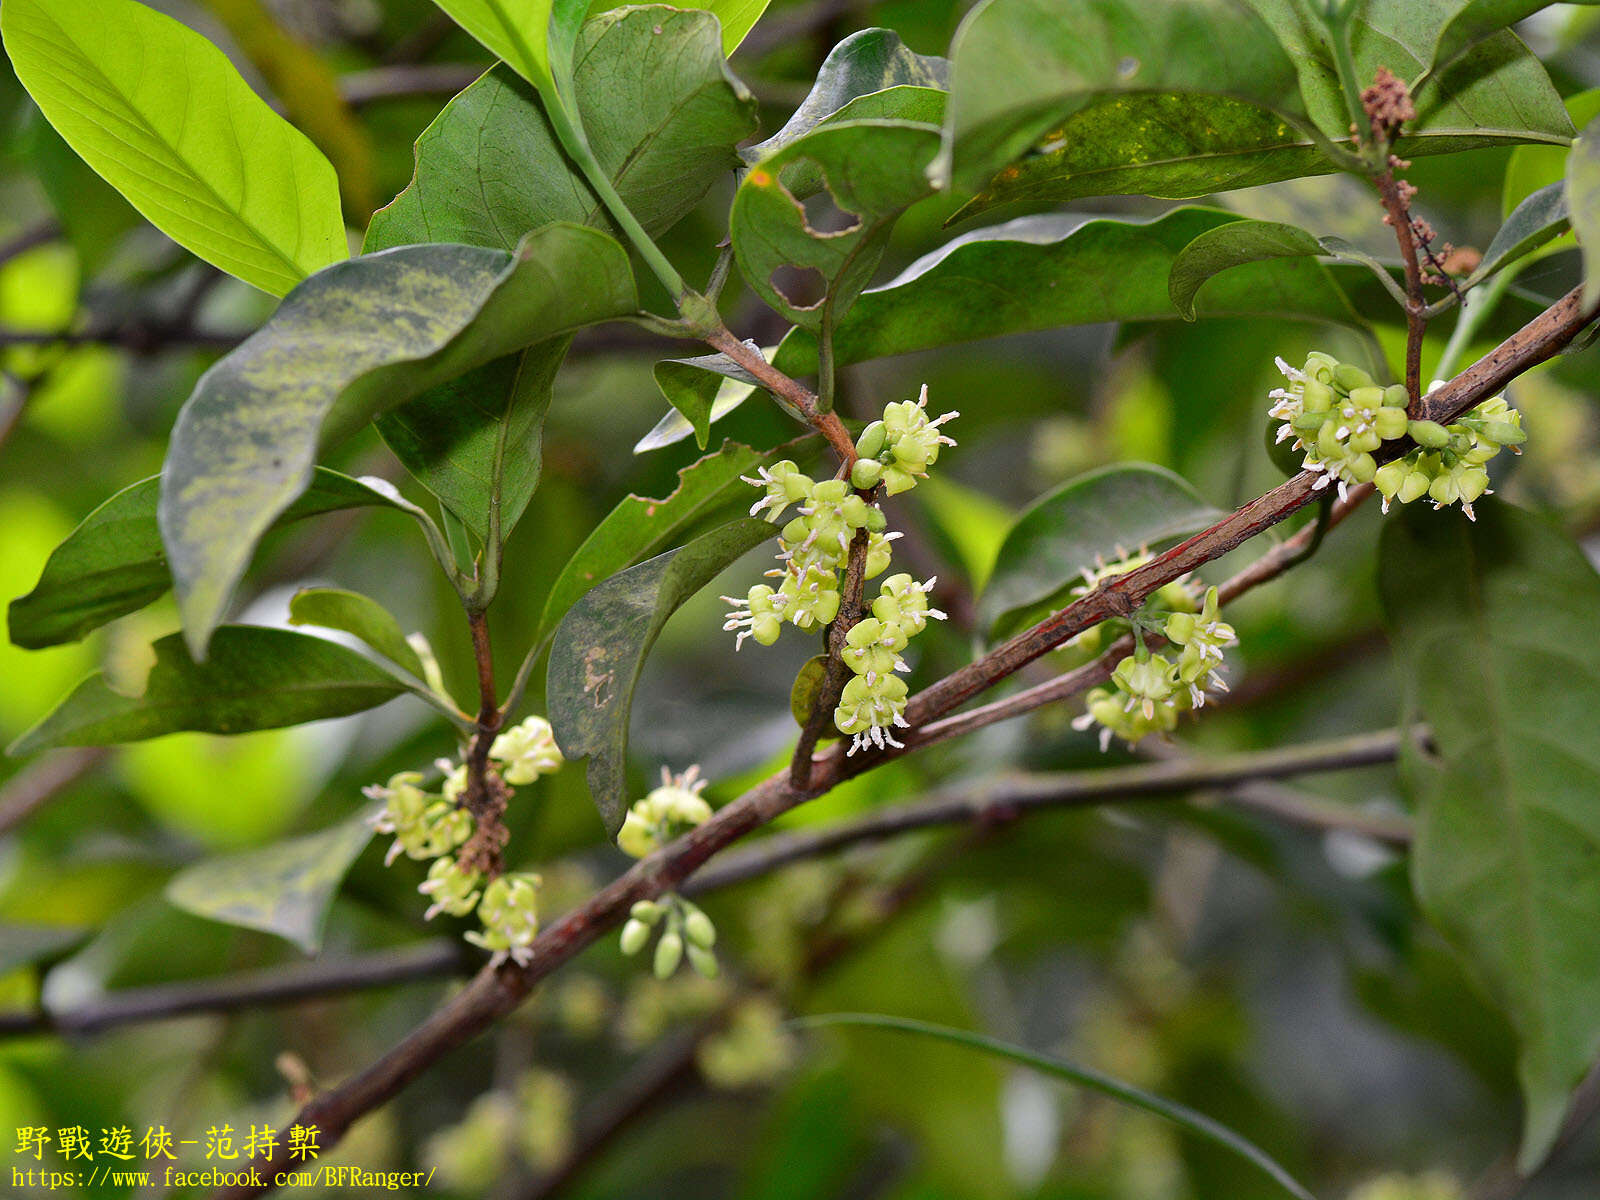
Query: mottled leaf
1102	515
868	172
600	647
866	63
1497	629
256	678
114	564
1583	202
164	117
283	889
350	343
358	615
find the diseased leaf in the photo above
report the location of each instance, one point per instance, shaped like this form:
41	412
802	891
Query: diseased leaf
600	648
1583	202
283	889
164	117
663	115
1101	516
256	678
1232	245
1537	220
869	62
360	616
1497	629
114	564
354	341
869	172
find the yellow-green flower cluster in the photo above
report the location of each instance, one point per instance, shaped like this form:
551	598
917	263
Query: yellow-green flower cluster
667	813
1339	415
898	450
1448	464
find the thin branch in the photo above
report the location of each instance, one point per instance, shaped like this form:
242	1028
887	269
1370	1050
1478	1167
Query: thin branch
496	991
486	795
137	336
797	396
251	989
1398	214
361	88
41	782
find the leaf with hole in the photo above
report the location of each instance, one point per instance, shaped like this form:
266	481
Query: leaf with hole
283	889
350	343
161	113
1496	627
114	564
1098	517
600	648
256	678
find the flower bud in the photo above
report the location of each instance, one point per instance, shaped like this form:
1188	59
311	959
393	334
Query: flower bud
870	443
669	953
703	961
647	911
635	934
1428	433
698	929
866	473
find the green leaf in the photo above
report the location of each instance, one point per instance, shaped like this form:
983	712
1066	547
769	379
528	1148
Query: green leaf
870	170
738	17
1086	1077
1232	245
255	679
1583	201
663	116
642	526
1497	629
361	616
869	62
114	564
600	648
1536	221
1479	19
1533	167
164	117
1103	515
517	32
807	687
348	344
693	386
477	442
283	889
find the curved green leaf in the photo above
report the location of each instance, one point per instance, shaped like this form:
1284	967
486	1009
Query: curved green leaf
694	385
663	116
1228	246
1583	202
1497	629
738	17
1476	20
114	564
358	615
872	171
600	648
348	344
1101	516
164	117
518	32
283	889
866	63
1540	218
1195	1122
256	678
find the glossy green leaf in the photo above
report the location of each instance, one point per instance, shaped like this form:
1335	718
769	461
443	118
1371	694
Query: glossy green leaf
693	386
1101	516
867	63
663	115
600	648
1232	245
1583	203
1497	629
1533	167
642	526
358	615
283	889
738	17
1540	218
1086	1077
164	117
1476	20
114	564
256	678
517	32
354	341
871	171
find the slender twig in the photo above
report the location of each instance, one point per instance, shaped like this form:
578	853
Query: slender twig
361	88
497	990
138	336
39	783
1399	215
485	795
797	396
251	989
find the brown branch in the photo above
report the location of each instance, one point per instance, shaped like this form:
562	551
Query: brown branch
486	794
797	396
41	782
1398	214
250	989
496	991
136	336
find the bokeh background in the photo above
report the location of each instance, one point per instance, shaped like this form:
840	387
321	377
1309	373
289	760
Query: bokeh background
1277	979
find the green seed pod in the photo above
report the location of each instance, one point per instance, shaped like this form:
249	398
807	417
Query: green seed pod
866	473
703	961
669	953
635	934
870	443
1428	433
698	929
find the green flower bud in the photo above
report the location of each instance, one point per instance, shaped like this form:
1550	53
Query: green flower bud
647	911
703	961
669	953
1414	487
1347	377
1390	423
1396	396
1428	433
635	934
698	929
866	473
870	443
